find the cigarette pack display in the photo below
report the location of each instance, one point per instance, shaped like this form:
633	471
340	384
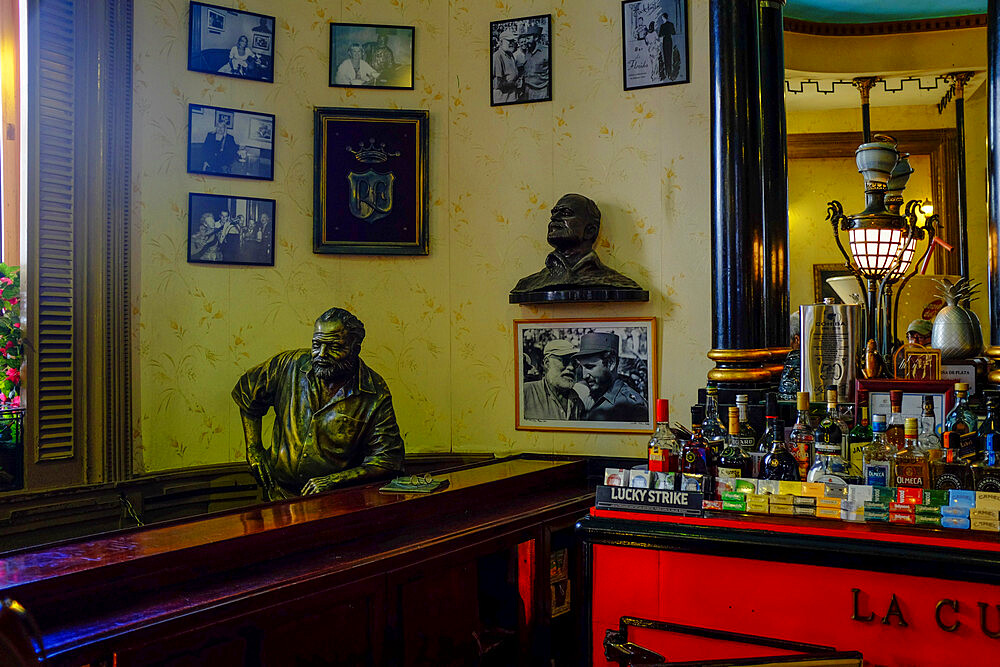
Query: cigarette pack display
758	498
827	513
928	510
804	501
665	480
902	517
712	505
692	481
986	515
790	488
734	505
758	507
744	485
935	497
902	507
958	498
813	489
954	522
616	477
884	494
852	516
932	521
991	525
733	496
987	500
875	516
782	499
769	486
959	511
873	506
640	479
828	503
838	491
725	484
909	496
786	510
858	493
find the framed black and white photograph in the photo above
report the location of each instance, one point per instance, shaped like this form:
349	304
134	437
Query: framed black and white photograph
370	181
230	142
231	42
371	56
586	375
230	230
654	43
521	60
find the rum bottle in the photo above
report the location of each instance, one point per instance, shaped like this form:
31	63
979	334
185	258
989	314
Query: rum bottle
989	430
770	416
876	466
927	437
909	463
779	462
951	472
663	450
986	471
747	436
859	438
693	453
713	431
895	424
828	465
801	438
960	422
734	461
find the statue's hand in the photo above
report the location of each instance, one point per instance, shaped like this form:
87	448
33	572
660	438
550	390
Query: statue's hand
319	484
257	458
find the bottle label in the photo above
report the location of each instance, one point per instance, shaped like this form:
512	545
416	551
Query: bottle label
876	473
947	481
988	442
730	472
910	475
857	457
990	484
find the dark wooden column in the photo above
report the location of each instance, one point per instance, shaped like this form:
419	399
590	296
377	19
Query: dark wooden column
739	348
774	172
993	179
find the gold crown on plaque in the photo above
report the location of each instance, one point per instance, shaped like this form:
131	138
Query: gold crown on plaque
369	153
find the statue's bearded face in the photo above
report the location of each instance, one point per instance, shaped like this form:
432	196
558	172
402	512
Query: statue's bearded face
570	225
334	352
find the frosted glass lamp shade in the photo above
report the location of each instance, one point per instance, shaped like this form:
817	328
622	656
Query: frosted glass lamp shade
874	249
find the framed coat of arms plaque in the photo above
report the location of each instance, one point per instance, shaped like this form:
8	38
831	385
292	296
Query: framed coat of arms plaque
371	181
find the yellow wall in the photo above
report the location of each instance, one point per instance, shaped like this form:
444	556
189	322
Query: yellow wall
439	327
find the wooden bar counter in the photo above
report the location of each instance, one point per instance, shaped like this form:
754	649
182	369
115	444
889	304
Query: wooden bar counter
350	577
898	595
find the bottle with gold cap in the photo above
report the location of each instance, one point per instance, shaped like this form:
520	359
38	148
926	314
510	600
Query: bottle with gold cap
910	466
734	461
961	424
894	422
801	439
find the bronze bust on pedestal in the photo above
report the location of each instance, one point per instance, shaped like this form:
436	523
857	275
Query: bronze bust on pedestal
572	271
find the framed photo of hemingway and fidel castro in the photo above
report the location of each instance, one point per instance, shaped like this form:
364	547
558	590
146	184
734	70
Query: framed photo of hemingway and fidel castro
370	191
586	375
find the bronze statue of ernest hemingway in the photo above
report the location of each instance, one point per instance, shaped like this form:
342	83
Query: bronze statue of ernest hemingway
573	272
333	417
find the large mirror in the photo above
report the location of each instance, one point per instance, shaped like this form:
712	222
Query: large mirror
913	100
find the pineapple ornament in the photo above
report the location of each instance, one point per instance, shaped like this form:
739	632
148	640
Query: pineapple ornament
956	331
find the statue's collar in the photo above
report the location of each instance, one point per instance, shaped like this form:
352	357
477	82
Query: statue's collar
557	261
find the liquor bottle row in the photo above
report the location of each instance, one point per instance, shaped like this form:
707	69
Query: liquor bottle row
892	450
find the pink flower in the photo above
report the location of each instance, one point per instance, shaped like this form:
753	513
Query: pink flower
17	325
3	397
14	301
14	375
15	402
4	280
9	345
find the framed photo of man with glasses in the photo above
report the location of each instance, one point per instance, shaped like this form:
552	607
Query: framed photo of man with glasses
586	375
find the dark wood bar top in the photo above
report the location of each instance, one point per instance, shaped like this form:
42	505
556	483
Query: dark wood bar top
33	565
130	587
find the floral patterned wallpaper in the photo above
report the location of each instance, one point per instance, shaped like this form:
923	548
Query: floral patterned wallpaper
439	327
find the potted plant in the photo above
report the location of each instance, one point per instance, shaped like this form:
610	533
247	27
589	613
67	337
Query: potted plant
11	358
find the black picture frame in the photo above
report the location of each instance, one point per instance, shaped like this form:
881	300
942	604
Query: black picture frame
215	244
509	83
371	186
642	63
246	150
394	73
213	33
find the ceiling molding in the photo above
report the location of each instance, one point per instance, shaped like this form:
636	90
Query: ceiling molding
886	28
